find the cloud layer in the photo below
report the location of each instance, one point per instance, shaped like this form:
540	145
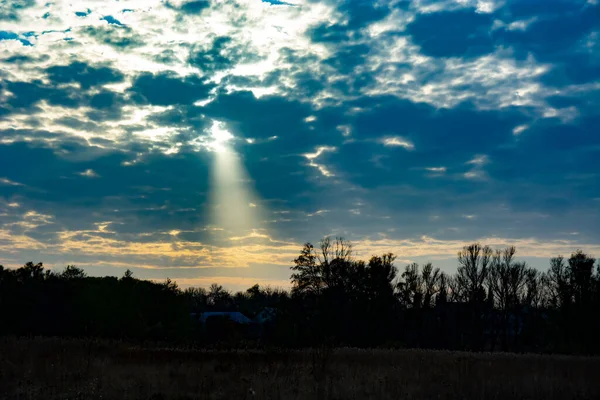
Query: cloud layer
411	126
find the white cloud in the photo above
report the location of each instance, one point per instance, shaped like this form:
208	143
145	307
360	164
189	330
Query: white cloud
439	170
397	141
325	171
477	172
479	160
89	173
520	129
8	182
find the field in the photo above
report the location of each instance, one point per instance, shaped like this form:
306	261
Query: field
77	369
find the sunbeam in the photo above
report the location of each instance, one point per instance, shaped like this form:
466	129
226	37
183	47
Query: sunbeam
234	205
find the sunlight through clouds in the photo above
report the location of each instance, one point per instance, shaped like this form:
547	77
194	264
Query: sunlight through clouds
234	204
179	134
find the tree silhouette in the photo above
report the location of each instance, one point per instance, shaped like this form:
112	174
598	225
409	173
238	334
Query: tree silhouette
72	272
307	276
473	268
580	271
418	288
335	299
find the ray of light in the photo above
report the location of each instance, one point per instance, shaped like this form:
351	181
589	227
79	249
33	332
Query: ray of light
235	207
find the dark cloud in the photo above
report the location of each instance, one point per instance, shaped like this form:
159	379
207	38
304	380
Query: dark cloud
356	15
262	118
360	13
348	58
559	35
28	94
168	56
190	7
103	100
131	195
166	88
554	31
185	117
195	7
105	105
436	137
84	74
462	33
25	59
119	37
282	136
329	33
223	53
10	9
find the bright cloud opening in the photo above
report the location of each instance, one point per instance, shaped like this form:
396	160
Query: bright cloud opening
220	137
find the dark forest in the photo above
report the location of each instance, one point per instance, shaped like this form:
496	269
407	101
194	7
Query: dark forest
493	302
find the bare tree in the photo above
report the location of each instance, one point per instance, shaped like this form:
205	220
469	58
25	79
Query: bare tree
336	262
431	281
473	267
442	296
507	279
410	287
507	284
218	296
332	266
197	298
557	283
337	249
455	290
418	288
534	290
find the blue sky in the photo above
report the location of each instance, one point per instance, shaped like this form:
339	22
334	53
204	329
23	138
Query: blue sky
207	140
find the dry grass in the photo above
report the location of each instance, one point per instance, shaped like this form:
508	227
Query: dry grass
77	369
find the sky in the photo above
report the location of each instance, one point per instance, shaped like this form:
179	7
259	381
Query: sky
207	140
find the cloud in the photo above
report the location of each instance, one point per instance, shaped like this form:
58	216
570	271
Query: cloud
85	75
461	33
400	119
436	169
10	10
8	182
312	157
479	160
117	36
397	141
477	171
166	88
190	7
223	53
89	173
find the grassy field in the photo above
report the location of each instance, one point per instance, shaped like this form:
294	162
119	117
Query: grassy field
77	369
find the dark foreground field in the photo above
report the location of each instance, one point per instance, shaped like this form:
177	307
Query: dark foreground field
77	369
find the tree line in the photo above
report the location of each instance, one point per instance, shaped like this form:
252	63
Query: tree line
493	302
